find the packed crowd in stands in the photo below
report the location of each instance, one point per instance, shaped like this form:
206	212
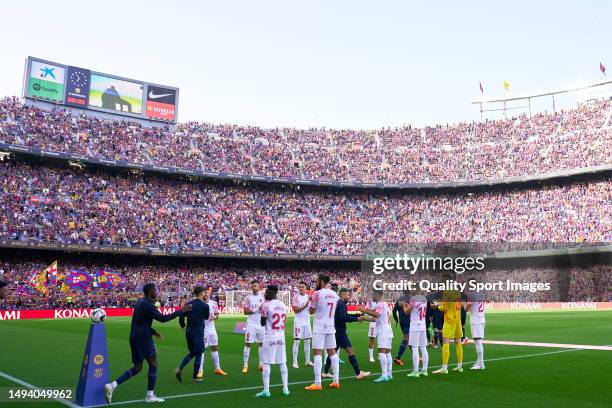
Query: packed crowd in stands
521	146
88	207
175	283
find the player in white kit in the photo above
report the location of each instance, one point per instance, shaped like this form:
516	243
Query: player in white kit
210	336
254	332
384	334
273	317
323	305
475	306
371	305
417	336
301	324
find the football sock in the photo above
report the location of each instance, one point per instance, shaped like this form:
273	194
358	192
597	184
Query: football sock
266	377
371	352
215	359
247	351
445	355
197	364
425	356
353	361
307	349
296	350
479	351
126	375
389	365
382	357
259	354
318	364
185	361
327	365
152	377
284	376
402	348
335	362
415	359
202	363
459	348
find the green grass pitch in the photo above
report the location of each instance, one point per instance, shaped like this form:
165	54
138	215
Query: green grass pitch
47	353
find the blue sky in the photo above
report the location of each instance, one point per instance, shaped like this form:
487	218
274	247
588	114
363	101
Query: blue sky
341	64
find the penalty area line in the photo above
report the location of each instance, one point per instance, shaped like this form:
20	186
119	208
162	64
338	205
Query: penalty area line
33	387
258	387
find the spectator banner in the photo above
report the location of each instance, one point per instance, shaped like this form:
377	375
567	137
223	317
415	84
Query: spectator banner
161	102
78	82
46	81
117	95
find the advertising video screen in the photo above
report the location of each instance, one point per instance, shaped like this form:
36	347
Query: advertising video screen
46	81
115	94
161	103
87	89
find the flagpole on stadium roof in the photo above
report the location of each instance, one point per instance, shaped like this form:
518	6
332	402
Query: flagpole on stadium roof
505	99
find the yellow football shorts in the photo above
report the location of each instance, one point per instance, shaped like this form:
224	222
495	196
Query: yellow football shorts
452	330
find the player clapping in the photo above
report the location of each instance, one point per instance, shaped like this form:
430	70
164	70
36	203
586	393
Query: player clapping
475	306
254	332
301	325
273	317
417	337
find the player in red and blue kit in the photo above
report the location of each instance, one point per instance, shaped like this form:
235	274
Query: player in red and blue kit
141	341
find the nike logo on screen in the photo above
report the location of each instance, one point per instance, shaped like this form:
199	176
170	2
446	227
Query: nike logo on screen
154	96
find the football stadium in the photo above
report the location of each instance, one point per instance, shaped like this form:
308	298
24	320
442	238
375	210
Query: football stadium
353	203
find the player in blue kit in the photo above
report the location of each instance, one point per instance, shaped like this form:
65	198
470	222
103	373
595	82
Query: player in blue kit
194	334
341	318
141	342
400	316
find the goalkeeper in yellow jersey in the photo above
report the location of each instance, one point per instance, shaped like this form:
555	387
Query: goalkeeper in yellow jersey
451	307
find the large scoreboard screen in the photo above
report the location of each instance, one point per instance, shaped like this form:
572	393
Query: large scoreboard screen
83	88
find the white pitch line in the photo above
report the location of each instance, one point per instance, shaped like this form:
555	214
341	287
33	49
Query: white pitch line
548	345
196	394
33	387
